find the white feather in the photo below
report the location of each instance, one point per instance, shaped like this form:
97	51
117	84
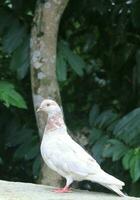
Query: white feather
62	154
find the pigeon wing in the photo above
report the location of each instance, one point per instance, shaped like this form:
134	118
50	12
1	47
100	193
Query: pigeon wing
70	157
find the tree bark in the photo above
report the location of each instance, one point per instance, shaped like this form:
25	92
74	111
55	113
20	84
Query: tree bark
43	65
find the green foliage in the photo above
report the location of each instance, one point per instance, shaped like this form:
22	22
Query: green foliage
128	128
115	149
23	142
123	145
94	112
98	148
20	59
131	161
126	159
135	167
13	37
36	167
67	57
105	119
19	141
61	67
10	96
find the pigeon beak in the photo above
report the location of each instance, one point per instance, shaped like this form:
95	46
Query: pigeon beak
38	110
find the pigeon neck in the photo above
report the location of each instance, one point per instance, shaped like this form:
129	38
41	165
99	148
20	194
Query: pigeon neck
55	120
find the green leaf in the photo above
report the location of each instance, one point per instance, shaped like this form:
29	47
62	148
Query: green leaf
93	114
13	37
97	149
61	67
20	59
33	152
23	150
115	149
1	161
131	161
105	119
111	127
36	166
135	167
19	136
5	20
95	134
126	120
90	40
74	60
128	128
10	96
76	63
126	159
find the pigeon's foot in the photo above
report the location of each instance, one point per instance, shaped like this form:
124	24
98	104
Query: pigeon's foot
62	190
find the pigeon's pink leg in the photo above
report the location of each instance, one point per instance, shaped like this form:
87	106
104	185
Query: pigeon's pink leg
69	180
62	190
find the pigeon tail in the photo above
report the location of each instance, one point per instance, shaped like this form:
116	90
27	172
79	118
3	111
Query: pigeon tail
114	188
108	181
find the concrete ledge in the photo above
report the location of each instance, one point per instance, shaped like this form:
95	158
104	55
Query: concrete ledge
29	191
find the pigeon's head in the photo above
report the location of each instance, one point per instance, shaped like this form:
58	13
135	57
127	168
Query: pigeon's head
49	106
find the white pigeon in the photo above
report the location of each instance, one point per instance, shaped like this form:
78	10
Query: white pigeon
63	155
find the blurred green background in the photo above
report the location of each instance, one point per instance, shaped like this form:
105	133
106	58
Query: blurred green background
98	69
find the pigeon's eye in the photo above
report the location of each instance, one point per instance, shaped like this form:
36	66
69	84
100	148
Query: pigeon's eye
48	104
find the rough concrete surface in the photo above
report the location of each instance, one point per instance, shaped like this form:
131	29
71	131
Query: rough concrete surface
29	191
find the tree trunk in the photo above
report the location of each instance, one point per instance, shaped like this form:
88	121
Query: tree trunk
43	65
